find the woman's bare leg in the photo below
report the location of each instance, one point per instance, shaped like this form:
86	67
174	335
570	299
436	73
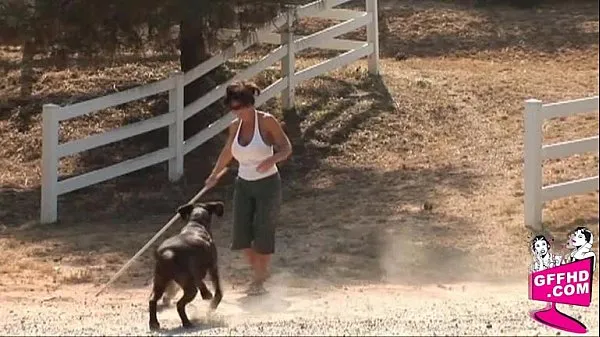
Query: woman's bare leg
259	264
262	267
252	261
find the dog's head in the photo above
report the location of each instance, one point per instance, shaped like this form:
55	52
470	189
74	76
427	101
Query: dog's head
201	212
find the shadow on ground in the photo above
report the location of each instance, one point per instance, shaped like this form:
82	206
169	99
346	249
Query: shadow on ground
266	303
199	324
91	63
318	130
365	226
359	225
370	225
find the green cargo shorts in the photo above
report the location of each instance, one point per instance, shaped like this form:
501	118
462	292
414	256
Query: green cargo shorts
256	213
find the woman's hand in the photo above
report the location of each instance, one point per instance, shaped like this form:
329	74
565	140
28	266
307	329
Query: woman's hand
266	165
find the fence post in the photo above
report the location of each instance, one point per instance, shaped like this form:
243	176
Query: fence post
288	63
176	129
49	197
533	164
373	37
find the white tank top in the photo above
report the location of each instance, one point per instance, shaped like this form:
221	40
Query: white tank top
251	155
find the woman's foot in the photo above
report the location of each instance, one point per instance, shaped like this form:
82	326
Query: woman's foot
256	288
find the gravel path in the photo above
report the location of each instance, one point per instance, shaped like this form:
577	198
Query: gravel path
472	309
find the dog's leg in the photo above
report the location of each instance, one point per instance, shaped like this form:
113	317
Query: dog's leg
214	274
170	293
204	292
157	291
189	293
199	275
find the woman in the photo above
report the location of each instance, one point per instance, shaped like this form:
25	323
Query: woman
257	194
543	258
580	242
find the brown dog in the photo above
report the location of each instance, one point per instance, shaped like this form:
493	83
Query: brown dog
185	259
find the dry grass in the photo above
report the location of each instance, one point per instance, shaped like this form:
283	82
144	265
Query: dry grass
442	126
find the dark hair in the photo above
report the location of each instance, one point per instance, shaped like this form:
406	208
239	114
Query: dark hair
243	92
539	238
586	232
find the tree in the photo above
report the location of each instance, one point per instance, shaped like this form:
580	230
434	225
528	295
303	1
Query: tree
65	27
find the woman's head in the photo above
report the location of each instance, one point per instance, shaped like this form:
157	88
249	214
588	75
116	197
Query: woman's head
579	237
240	96
540	245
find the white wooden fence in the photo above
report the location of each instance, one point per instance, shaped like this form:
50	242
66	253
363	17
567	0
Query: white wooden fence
535	152
52	151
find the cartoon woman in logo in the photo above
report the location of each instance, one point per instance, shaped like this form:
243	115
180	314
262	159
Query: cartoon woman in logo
543	258
580	242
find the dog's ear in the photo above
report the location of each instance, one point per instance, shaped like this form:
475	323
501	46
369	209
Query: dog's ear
185	211
215	207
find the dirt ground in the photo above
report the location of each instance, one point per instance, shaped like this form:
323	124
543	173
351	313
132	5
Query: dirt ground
443	126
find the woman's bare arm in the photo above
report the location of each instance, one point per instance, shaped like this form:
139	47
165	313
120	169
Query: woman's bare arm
281	140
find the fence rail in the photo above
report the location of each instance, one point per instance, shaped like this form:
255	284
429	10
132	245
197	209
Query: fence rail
133	94
174	119
536	152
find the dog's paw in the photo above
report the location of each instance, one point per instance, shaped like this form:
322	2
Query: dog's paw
154	326
188	325
213	305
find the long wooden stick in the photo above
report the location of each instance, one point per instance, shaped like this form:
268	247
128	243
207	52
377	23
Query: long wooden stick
156	236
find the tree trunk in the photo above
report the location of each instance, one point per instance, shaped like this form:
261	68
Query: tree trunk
193	46
291	125
26	80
